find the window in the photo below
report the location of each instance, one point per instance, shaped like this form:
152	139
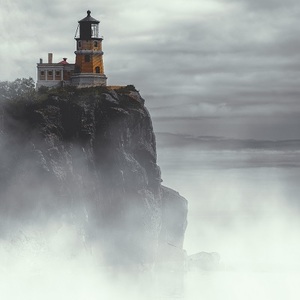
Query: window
97	69
77	69
96	44
87	58
94	28
57	73
79	44
50	73
42	73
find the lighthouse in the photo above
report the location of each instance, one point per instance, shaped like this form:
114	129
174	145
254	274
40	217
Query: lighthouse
89	68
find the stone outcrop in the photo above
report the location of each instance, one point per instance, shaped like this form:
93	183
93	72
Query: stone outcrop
89	156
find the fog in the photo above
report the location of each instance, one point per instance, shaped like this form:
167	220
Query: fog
53	263
249	194
243	204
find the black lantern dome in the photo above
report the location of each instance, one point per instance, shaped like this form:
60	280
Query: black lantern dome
88	28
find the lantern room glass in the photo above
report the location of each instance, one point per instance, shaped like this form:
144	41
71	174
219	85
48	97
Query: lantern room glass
95	30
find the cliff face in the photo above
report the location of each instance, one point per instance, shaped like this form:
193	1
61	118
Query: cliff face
89	156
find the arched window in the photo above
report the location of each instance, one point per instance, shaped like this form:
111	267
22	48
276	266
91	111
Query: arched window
77	69
97	69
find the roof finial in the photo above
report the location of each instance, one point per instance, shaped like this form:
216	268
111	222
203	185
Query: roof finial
89	12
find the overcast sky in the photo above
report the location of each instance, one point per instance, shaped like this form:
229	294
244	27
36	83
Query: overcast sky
223	68
215	74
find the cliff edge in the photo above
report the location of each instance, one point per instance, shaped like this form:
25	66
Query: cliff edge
89	156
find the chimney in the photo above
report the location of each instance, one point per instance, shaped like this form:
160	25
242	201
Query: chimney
50	57
41	60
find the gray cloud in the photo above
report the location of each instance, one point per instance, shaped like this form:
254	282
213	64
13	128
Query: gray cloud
270	5
191	59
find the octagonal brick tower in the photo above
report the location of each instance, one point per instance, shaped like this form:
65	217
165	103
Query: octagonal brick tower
89	68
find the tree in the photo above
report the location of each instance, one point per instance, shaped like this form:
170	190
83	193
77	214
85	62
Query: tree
20	89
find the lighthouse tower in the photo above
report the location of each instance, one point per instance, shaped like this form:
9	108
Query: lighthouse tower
89	69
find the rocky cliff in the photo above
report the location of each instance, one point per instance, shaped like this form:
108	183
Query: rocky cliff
89	156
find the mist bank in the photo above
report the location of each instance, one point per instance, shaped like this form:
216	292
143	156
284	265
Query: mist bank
215	152
88	157
243	198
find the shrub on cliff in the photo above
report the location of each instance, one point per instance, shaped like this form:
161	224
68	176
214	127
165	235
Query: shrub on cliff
20	89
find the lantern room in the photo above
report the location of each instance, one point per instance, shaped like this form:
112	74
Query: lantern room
88	28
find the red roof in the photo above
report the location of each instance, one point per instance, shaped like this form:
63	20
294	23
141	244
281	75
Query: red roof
64	62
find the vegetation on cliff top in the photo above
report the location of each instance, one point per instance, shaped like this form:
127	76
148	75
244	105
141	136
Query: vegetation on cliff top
17	95
22	90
